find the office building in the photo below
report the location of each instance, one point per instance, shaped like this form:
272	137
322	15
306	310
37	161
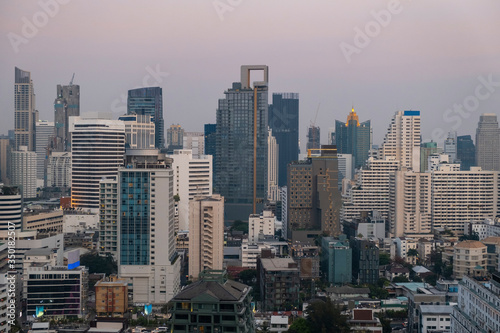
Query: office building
353	137
450	146
23	171
43	221
175	137
284	122
426	149
5	159
470	258
66	105
365	261
478	308
260	226
194	141
147	258
139	131
402	140
25	115
43	131
59	170
210	143
149	101
313	137
336	260
370	225
241	147
313	197
332	139
98	146
279	283
108	217
346	167
272	168
111	297
192	177
487	142
206	234
466	152
212	304
10	209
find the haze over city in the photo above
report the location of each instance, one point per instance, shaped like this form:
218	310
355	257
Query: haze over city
423	55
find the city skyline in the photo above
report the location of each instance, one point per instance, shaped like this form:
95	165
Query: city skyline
400	68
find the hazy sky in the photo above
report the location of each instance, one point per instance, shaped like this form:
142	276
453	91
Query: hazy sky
380	56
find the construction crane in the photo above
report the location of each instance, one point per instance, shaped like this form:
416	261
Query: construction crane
72	78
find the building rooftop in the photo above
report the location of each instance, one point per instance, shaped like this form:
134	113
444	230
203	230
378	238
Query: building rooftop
492	240
470	244
348	290
279	264
229	291
436	309
40	252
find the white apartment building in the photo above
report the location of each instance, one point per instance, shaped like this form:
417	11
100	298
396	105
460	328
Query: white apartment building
206	234
478	309
43	131
192	177
23	171
108	217
484	229
345	167
434	318
59	169
139	131
402	140
250	252
4	303
194	141
260	225
98	147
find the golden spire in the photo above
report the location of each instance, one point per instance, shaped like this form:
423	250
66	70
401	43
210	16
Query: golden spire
352	116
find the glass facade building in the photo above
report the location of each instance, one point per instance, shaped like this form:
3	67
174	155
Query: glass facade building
353	137
466	152
149	101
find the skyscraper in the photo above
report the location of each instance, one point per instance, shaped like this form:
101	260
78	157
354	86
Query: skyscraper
466	152
97	147
402	140
272	167
139	131
66	104
4	159
210	143
313	137
241	146
450	146
175	137
23	171
10	209
488	142
44	130
24	110
353	137
284	121
426	149
149	101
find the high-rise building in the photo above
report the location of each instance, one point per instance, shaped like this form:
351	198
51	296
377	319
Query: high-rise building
44	130
487	142
313	197
206	234
336	260
353	137
66	104
139	131
402	139
10	209
332	139
284	122
23	171
5	159
450	146
272	168
146	254
192	177
426	149
98	147
59	170
466	152
175	137
194	141
210	143
109	216
346	167
241	146
149	101
25	115
313	137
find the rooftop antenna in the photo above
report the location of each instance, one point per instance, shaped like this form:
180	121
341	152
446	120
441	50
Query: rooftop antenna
72	78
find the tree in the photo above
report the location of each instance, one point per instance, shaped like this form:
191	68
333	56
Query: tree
384	258
400	278
239	225
473	236
247	276
99	264
177	198
412	253
431	279
299	325
324	317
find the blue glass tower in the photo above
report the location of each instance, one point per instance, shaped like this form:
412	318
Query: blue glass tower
353	137
466	152
149	101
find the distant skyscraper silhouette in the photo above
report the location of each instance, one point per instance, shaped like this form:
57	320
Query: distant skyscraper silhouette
25	115
450	146
466	152
353	137
241	147
66	104
488	142
175	137
313	137
149	101
284	121
210	142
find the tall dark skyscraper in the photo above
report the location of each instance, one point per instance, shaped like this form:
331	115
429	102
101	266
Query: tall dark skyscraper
488	142
210	143
284	121
313	137
241	145
149	101
466	152
353	137
25	116
66	104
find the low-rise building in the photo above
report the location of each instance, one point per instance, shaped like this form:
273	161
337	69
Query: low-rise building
469	258
279	282
434	318
279	324
336	260
363	320
43	221
111	297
